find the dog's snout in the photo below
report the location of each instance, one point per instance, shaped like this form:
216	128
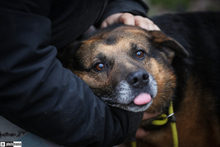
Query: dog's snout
138	79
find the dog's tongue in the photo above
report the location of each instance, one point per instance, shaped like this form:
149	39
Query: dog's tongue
142	99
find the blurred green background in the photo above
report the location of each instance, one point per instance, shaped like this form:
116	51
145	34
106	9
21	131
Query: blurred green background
158	7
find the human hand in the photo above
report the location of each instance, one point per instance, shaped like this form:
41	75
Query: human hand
141	132
129	19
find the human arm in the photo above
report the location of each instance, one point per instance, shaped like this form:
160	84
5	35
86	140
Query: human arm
41	96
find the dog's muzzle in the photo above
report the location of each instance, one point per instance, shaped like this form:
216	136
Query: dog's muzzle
135	93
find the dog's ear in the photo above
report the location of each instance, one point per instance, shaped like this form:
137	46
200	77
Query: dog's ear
167	44
66	54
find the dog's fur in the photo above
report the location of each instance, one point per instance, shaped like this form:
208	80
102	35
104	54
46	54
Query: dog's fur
191	82
116	48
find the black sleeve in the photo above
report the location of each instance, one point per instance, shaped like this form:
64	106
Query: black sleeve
135	7
39	95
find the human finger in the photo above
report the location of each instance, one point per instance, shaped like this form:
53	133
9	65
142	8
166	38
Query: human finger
150	115
145	23
112	19
127	18
141	133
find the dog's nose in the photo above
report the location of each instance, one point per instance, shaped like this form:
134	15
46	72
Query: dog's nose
138	79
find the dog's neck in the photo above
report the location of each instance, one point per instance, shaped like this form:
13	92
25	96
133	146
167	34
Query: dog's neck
196	117
193	119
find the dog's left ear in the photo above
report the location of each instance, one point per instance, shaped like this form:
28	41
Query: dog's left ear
169	45
66	54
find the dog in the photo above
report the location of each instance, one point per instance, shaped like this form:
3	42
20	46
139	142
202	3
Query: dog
115	63
137	70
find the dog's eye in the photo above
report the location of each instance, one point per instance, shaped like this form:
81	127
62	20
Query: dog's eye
100	66
140	54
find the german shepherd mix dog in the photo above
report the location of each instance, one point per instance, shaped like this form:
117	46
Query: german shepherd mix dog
135	69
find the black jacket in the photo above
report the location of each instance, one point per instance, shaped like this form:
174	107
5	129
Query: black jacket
36	92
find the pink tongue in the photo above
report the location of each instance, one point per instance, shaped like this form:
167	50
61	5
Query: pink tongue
142	99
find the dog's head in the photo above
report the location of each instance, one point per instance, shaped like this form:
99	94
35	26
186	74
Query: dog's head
126	66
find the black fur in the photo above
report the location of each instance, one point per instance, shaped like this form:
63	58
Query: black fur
199	34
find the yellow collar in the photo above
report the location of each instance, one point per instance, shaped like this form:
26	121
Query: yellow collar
162	120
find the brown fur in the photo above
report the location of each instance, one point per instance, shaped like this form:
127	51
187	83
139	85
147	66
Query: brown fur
116	47
196	126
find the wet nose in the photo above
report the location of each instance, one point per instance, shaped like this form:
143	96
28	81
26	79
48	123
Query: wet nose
138	78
